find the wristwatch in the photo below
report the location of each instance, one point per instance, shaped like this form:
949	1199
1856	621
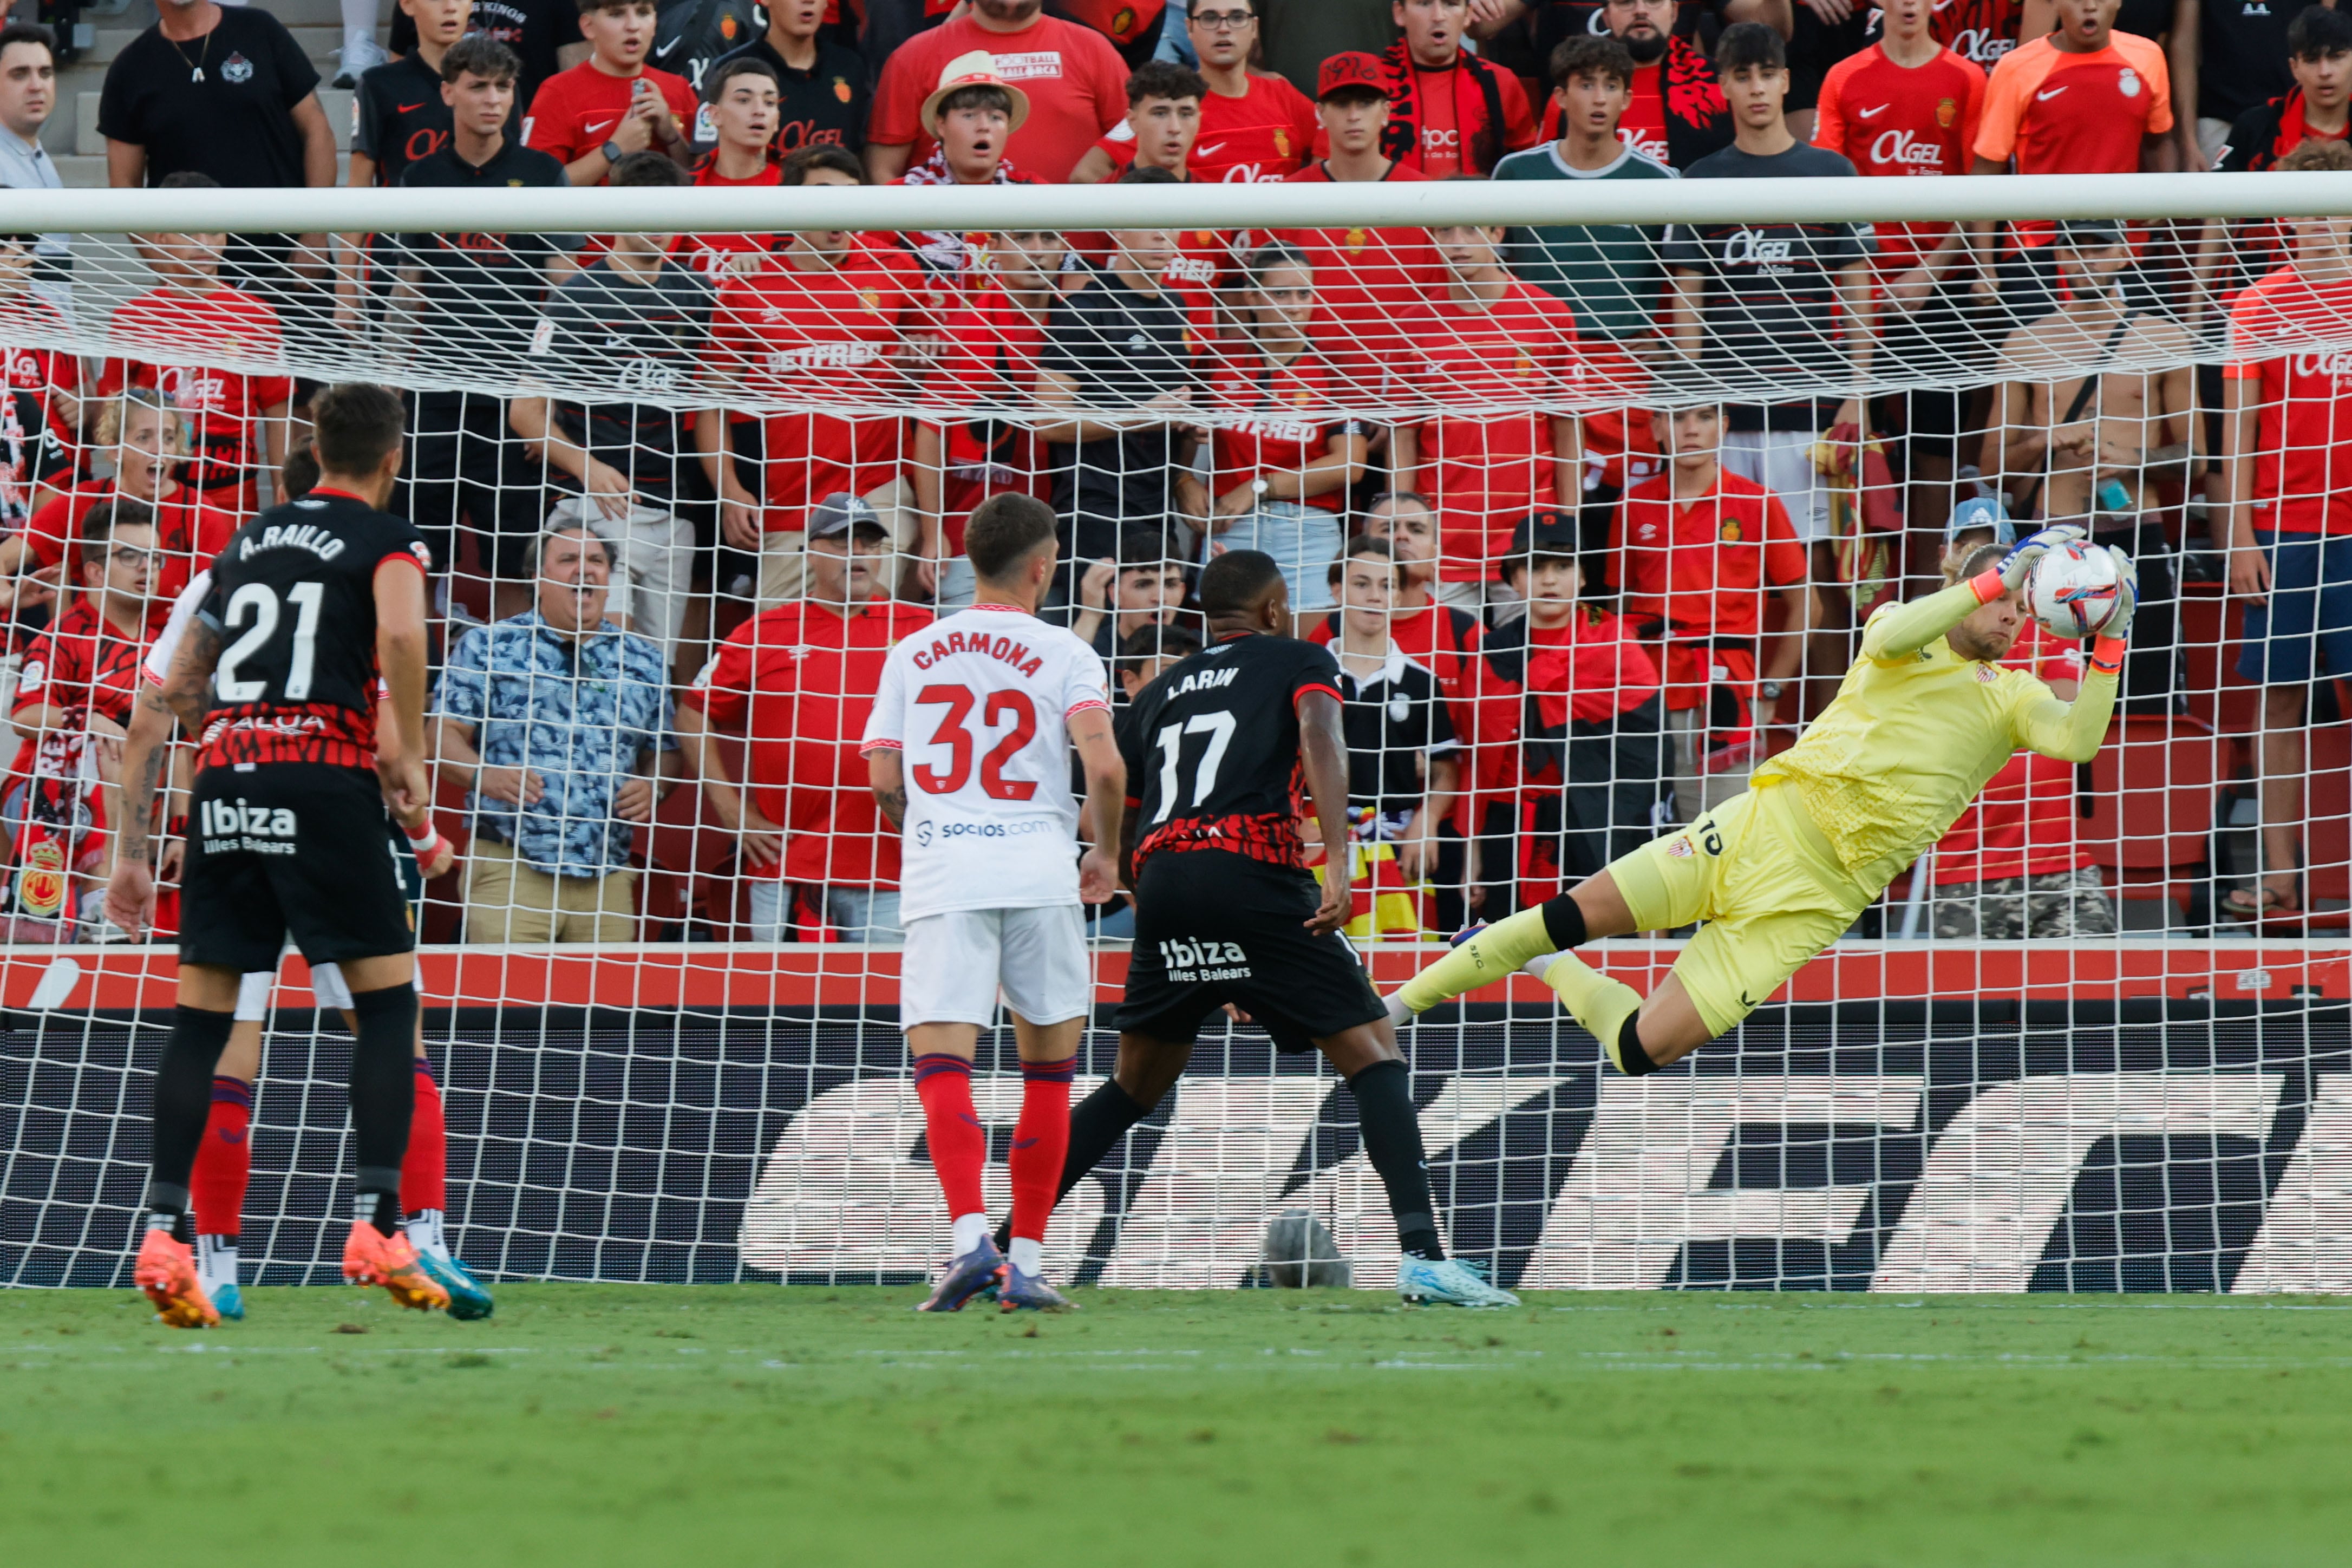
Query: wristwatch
1770	690
611	151
1261	486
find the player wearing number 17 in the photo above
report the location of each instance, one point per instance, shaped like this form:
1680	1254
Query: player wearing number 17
1926	716
969	748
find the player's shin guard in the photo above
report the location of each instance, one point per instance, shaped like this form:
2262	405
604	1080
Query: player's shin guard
959	1145
1606	1007
1041	1144
1391	1133
224	1160
381	1099
1482	960
425	1170
182	1104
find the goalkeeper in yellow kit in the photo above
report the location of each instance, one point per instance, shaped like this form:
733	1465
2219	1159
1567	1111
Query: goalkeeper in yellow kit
1924	718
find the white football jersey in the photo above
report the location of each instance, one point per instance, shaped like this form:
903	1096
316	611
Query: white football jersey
157	666
978	704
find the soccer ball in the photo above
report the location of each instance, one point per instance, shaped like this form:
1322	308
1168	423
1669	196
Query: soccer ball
2072	591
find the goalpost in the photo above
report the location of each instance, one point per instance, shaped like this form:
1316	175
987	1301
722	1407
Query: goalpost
706	1082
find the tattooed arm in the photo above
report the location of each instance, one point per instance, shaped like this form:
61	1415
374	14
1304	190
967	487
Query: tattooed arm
887	773
185	694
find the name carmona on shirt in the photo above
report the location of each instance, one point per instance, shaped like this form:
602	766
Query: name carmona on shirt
1001	648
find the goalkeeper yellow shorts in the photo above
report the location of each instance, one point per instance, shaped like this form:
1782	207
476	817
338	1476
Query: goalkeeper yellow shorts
1772	892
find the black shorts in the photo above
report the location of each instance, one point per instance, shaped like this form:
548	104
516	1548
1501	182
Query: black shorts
464	461
289	848
1212	927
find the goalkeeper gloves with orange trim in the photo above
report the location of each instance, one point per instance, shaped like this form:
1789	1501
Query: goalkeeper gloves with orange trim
2018	564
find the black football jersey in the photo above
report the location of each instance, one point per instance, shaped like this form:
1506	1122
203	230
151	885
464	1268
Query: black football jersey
293	603
1211	748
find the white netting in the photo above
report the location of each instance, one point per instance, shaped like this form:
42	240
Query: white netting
665	979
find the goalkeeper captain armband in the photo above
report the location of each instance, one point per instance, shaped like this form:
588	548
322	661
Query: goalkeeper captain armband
2107	655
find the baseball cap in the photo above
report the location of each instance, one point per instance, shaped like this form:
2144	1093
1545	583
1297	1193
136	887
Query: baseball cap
2090	232
1351	70
839	512
1980	511
977	68
1547	531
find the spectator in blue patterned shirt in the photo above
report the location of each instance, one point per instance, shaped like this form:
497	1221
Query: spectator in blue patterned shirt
560	718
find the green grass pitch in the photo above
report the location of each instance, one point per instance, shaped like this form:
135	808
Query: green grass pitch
753	1425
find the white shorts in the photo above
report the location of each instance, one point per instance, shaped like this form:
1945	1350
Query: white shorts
952	964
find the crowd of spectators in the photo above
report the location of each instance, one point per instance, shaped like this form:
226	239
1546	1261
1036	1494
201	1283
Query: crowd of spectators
1561	623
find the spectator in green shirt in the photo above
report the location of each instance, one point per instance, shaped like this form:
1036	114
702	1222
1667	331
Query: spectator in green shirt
1609	274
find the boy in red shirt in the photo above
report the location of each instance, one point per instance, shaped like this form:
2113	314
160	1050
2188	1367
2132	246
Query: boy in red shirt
798	680
1574	761
1255	126
2012	867
1363	278
1698	548
1488	340
189	325
990	346
77	683
612	102
822	322
742	114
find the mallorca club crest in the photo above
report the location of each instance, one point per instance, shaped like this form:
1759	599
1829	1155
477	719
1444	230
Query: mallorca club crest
1947	112
236	69
1728	530
41	881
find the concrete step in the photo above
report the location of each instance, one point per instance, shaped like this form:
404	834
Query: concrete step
139	14
336	102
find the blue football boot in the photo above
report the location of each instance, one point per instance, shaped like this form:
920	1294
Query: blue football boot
967	1277
1030	1293
468	1301
229	1301
1455	1282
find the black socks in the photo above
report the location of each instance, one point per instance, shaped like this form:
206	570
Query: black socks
1632	1060
183	1099
1096	1122
1391	1134
382	1096
1563	923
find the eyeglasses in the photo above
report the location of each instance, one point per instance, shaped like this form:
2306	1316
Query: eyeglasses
131	555
1222	21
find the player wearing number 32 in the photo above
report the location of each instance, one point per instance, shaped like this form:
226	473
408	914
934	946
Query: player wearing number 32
1924	718
969	750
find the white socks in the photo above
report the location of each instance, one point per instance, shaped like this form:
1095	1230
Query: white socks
1028	1256
424	1229
971	1230
216	1262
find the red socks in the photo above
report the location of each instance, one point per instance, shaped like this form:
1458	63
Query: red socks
224	1160
1041	1144
424	1171
957	1141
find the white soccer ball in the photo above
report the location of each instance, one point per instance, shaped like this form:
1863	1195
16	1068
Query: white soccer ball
2074	590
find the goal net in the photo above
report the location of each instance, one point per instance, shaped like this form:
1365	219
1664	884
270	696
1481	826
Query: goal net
1588	486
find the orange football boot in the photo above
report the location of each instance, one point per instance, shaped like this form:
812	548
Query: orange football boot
166	1270
372	1258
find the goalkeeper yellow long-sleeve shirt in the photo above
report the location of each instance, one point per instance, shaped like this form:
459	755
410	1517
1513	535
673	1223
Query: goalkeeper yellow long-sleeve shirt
1917	730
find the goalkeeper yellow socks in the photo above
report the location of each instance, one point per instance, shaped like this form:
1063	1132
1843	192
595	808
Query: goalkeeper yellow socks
1607	1008
1482	960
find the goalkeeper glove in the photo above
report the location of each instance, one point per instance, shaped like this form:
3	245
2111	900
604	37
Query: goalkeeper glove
2018	564
2126	595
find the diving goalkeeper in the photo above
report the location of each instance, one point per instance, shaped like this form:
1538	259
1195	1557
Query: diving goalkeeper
1924	718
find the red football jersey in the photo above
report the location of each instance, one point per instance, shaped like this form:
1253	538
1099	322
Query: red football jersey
222	405
709	252
1892	120
82	666
988	360
1979	30
191	528
1074	79
1268	133
799	682
1643	126
1453	111
1486	473
2303	394
1364	280
40	370
2024	823
1702	567
2059	113
1292	421
816	338
1593	669
574	111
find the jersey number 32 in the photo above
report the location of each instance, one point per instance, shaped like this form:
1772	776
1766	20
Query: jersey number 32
1002	707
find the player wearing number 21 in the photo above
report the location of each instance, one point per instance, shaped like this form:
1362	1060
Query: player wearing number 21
969	750
1926	716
